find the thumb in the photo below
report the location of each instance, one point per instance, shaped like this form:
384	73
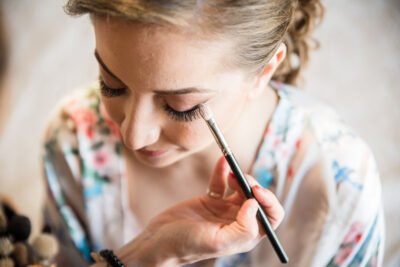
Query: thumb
244	230
218	181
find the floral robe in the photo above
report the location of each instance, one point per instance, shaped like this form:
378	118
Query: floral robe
324	175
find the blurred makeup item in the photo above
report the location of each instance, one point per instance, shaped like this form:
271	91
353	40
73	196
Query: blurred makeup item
6	247
46	247
6	262
207	115
15	251
3	222
8	207
20	227
21	254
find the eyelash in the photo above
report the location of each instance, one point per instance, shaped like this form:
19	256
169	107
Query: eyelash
184	116
111	92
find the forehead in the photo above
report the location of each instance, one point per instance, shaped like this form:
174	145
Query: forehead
154	54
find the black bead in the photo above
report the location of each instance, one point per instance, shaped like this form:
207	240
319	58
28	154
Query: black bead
111	259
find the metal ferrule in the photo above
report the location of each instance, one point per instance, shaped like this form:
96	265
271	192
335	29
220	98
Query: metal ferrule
219	137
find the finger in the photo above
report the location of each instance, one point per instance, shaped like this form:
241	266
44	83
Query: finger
270	204
243	233
238	197
246	217
234	183
235	198
218	181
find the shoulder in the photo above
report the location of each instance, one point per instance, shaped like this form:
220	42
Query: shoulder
342	162
337	142
319	148
81	114
83	165
80	131
345	153
324	174
77	112
303	130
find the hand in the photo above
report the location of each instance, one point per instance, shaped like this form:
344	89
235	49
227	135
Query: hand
210	225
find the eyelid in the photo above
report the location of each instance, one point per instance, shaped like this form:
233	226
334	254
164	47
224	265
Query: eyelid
104	68
112	88
184	116
105	76
107	91
188	115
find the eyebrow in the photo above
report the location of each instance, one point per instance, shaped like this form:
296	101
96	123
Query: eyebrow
167	92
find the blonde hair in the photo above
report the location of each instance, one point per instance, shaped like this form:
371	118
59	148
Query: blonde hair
258	26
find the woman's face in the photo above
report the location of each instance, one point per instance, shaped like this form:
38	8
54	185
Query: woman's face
154	78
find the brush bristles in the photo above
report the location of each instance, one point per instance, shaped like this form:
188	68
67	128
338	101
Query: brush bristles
6	247
19	227
205	112
46	246
6	262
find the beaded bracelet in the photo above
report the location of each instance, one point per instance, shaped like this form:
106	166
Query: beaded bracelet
107	256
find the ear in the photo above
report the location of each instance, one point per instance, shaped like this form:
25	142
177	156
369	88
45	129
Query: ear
262	80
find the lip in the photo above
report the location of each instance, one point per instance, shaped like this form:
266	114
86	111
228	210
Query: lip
152	153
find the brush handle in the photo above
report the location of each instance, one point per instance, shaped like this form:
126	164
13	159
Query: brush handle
262	217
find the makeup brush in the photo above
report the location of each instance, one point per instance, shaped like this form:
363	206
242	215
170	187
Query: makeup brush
3	222
46	248
19	227
6	262
8	208
207	115
6	247
22	254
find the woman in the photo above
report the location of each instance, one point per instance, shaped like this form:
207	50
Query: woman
128	160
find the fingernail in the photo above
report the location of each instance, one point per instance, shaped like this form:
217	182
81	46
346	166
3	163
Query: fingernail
257	187
232	175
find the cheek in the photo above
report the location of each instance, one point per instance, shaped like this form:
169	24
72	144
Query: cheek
188	135
196	134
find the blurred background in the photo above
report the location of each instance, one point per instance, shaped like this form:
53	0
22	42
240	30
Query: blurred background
356	71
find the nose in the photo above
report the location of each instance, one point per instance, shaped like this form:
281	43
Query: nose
140	127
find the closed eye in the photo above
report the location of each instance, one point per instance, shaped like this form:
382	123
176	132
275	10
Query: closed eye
107	91
184	116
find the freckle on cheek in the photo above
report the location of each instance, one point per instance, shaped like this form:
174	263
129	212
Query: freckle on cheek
192	133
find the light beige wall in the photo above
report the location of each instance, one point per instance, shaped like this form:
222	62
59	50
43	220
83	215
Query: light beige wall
51	54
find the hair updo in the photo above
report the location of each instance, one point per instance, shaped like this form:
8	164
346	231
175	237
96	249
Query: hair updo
258	27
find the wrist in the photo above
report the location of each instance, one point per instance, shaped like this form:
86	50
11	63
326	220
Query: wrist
145	251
